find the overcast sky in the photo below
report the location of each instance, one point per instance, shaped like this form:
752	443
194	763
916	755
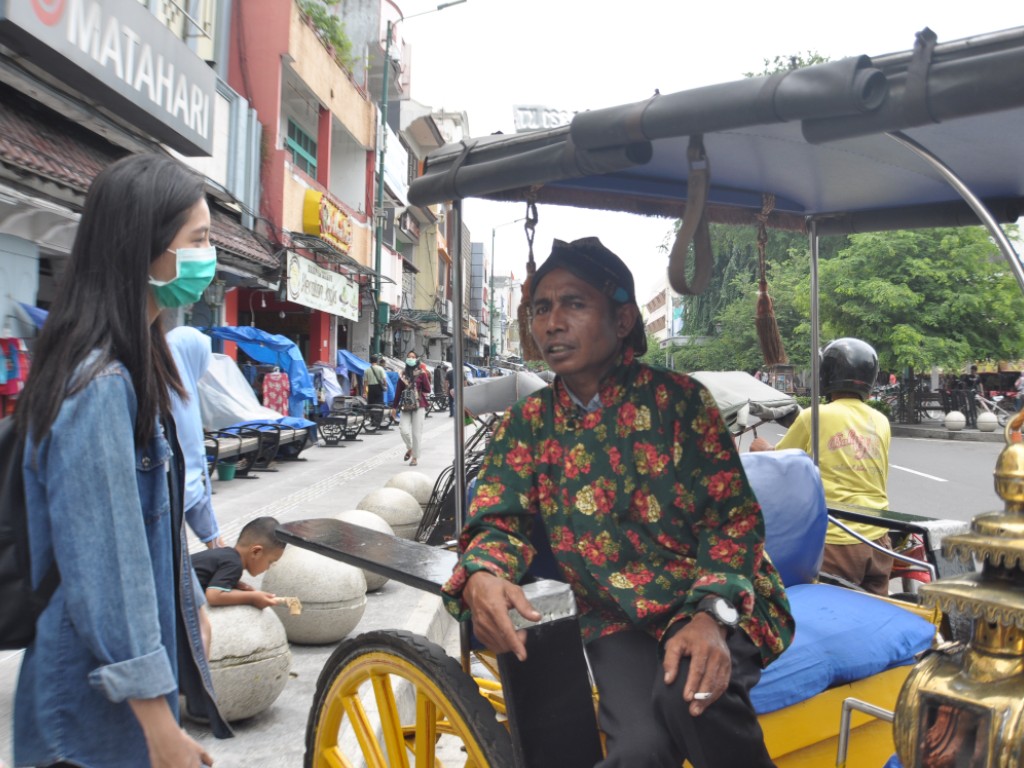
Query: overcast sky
484	56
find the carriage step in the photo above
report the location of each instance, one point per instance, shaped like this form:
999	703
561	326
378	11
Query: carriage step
408	562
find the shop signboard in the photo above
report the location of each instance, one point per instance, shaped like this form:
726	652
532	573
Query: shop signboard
318	288
325	219
119	54
534	117
396	167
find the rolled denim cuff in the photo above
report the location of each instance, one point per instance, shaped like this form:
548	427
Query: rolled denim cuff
145	677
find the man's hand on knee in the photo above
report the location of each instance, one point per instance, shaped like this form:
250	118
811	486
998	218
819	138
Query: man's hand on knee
702	640
489	599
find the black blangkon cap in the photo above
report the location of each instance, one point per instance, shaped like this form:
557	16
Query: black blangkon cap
591	261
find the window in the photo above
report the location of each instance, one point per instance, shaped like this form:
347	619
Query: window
302	147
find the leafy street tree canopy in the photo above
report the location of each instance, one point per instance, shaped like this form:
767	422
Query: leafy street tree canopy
926	297
921	298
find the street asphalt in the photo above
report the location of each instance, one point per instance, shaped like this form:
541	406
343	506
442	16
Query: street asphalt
331	480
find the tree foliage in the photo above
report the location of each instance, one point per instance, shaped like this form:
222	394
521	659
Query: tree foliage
784	63
329	28
921	298
924	297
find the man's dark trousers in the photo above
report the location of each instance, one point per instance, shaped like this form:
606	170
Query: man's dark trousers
648	725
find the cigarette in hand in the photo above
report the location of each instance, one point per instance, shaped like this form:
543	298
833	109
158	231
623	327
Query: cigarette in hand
702	695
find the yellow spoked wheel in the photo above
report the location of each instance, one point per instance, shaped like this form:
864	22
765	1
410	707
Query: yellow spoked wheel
396	700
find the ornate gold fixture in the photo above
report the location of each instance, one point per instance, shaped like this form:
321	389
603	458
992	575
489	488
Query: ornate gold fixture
963	705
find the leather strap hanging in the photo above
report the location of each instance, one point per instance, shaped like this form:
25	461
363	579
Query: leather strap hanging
694	227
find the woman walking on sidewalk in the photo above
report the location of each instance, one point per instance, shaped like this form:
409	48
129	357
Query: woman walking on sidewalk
411	399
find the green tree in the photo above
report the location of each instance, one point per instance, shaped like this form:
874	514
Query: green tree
655	355
924	297
783	63
329	28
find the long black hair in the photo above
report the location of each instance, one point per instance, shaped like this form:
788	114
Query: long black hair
133	211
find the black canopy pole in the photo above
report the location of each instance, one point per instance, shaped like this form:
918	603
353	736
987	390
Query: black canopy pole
457	374
812	234
459	465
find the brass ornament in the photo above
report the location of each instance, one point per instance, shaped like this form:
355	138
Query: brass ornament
963	705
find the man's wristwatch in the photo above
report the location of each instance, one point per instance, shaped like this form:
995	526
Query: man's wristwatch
720	609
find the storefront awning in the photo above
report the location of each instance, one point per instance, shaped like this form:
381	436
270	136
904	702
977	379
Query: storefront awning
325	253
417	316
229	235
37	140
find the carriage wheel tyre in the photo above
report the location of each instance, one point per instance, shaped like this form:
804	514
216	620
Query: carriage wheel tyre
393	698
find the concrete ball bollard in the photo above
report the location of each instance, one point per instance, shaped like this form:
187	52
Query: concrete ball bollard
249	659
987	422
399	509
333	596
416	483
955	421
375	523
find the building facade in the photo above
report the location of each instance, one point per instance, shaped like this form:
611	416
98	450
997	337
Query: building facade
85	82
320	132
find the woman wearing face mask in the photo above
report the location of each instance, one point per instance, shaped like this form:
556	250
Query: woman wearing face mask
415	379
99	685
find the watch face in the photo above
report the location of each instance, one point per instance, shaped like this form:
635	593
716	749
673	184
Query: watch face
721	609
726	612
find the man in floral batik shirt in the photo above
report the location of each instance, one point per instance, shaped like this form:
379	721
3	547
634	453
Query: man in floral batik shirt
651	521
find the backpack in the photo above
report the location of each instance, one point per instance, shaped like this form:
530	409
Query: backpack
409	401
20	605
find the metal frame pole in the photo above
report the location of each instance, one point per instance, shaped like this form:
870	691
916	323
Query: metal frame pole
378	208
812	231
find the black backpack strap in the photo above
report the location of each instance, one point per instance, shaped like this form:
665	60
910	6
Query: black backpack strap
49	584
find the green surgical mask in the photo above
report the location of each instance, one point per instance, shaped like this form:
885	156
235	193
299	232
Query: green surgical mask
196	268
410	361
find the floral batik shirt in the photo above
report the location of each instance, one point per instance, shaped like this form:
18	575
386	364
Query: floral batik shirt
643	500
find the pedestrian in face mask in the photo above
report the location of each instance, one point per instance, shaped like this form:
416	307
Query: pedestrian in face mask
120	635
411	399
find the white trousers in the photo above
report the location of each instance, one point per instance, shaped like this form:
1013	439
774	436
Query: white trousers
410	426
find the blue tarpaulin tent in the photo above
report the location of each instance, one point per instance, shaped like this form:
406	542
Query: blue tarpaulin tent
349	363
35	314
389	394
274	349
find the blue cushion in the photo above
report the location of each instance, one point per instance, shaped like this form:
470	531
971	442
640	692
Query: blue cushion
893	762
788	488
841	636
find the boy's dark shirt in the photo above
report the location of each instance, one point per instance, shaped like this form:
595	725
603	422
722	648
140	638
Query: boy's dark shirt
220	568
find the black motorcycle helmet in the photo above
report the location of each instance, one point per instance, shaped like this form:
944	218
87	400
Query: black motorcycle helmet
849	365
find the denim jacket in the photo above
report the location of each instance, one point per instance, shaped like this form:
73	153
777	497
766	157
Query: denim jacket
123	622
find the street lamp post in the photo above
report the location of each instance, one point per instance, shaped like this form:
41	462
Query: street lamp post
494	344
378	210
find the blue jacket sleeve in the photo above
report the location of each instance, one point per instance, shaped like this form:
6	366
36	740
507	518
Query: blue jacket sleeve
99	531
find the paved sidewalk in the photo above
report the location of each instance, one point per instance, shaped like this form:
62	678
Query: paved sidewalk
331	480
935	429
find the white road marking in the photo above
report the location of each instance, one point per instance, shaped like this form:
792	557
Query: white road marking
920	474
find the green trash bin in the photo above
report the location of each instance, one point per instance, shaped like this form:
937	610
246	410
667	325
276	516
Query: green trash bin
226	470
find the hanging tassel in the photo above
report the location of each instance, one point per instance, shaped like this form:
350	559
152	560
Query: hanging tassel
524	314
530	350
767	328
